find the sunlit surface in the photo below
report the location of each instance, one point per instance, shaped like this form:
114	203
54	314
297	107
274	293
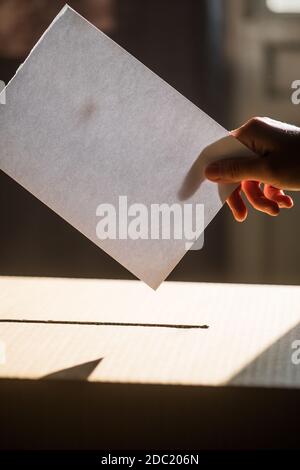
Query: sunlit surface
246	339
284	6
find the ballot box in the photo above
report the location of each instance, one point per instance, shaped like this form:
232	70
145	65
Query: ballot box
97	364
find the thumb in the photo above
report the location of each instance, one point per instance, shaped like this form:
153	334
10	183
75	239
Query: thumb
233	170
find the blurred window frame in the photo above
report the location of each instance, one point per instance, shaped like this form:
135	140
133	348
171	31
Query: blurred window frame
258	8
283	7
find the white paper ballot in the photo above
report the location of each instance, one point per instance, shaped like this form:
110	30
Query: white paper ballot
88	129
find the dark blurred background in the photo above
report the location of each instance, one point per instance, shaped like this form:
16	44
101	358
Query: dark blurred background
232	58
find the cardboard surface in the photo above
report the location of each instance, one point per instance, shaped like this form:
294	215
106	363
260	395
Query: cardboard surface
234	335
89	381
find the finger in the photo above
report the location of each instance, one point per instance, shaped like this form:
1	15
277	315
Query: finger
257	198
257	134
233	170
277	195
237	205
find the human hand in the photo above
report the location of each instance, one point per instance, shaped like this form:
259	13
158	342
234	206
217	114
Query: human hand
276	166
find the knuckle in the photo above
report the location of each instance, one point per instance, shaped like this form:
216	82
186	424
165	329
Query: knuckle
231	169
250	129
256	122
